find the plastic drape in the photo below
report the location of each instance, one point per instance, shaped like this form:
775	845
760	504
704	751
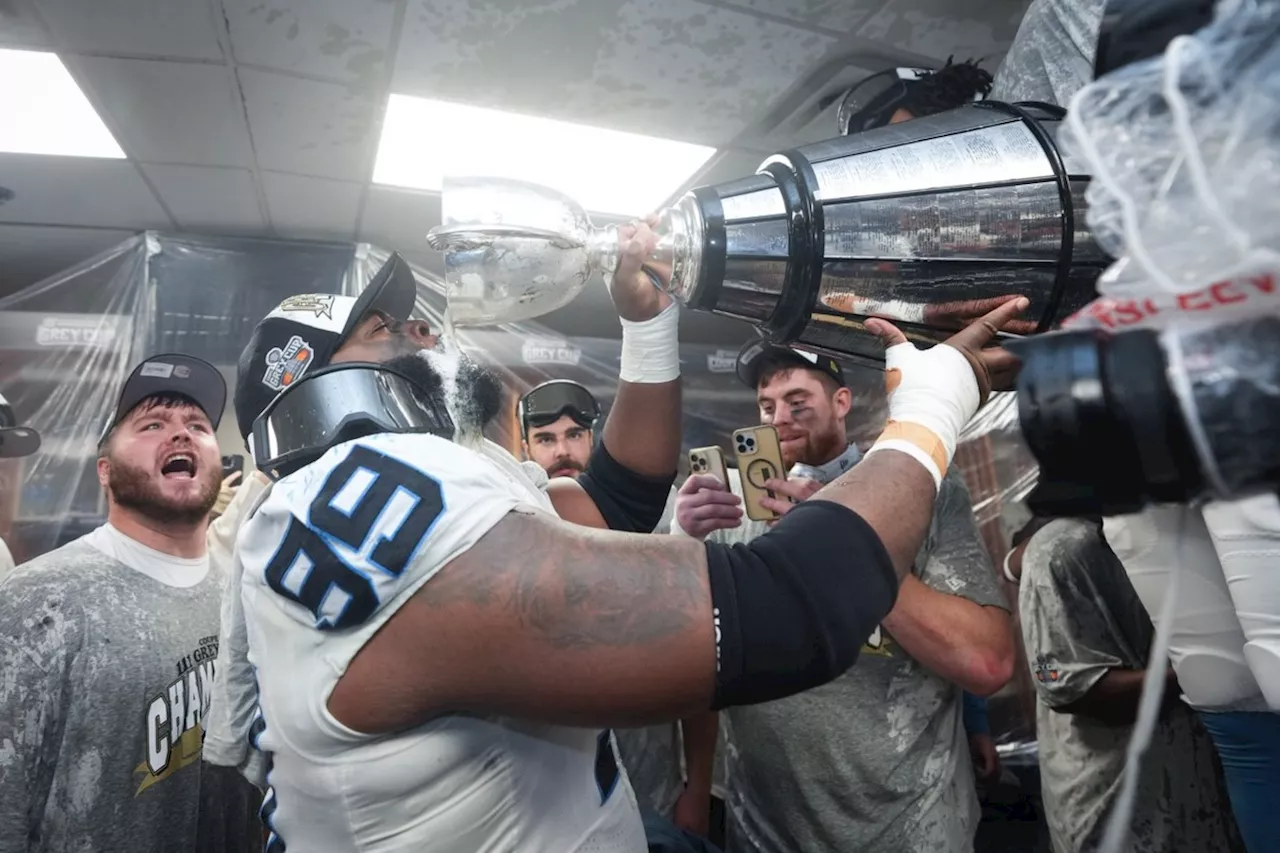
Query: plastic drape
67	343
1186	195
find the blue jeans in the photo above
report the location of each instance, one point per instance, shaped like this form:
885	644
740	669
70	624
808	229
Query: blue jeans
665	837
1249	746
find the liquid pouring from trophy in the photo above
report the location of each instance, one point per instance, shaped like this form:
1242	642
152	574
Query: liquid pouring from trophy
929	223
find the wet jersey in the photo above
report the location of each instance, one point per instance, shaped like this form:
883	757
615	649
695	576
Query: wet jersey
330	555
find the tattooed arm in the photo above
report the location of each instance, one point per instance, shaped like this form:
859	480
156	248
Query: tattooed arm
546	620
551	621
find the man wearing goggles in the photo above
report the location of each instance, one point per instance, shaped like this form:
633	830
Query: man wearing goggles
557	420
438	655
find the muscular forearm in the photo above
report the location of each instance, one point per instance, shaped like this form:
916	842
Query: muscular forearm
963	642
642	431
569	625
894	494
1114	698
699	735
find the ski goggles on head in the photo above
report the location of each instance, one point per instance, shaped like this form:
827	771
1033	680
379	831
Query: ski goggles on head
552	400
340	403
873	101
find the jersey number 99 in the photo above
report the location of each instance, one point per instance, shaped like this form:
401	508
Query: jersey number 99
379	508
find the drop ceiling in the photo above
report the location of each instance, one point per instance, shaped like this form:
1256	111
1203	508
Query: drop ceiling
253	117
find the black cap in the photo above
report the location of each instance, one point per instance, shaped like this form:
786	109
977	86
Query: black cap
173	373
757	353
304	331
15	440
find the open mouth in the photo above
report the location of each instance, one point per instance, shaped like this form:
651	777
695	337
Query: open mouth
179	465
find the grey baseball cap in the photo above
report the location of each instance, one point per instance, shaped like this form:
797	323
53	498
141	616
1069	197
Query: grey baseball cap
173	373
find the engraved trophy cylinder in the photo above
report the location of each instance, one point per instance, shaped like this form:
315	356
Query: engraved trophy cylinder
929	223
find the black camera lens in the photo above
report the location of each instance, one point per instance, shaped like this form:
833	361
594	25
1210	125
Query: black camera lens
1102	421
1119	421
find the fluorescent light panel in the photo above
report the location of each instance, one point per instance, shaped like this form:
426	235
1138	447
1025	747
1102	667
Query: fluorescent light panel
43	111
606	171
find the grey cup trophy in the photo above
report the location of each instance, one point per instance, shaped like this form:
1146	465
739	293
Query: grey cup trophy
929	223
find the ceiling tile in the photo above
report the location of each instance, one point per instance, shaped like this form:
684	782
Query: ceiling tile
77	191
965	29
182	29
221	201
399	219
840	15
19	26
311	128
329	38
171	112
686	71
311	208
32	253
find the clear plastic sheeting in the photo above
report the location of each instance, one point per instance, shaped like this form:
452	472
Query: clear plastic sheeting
67	343
1182	149
1186	194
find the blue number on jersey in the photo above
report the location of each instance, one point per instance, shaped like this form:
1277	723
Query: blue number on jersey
338	594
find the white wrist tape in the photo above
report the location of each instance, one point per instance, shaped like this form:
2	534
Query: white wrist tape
932	395
651	348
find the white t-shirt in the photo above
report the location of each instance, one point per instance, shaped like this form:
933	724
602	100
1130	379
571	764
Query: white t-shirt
329	556
177	572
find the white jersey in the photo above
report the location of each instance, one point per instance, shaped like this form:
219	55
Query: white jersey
329	556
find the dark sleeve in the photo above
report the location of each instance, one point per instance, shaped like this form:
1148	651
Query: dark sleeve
794	606
628	501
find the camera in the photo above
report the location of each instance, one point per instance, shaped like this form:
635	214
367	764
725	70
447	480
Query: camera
1118	420
1173	397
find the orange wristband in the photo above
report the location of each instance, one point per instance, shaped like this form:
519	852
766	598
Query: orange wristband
923	438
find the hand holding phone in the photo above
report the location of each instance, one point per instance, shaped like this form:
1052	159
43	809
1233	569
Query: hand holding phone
759	455
708	461
704	503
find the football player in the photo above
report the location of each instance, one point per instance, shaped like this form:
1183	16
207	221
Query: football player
439	653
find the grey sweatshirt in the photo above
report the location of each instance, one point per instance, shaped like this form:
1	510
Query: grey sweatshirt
105	678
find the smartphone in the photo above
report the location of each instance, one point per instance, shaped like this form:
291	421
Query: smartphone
232	464
759	459
708	460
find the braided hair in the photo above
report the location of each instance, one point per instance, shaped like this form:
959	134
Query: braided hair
953	85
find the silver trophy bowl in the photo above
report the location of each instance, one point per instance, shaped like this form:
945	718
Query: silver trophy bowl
516	250
929	223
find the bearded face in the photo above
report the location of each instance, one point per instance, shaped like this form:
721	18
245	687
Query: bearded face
162	461
472	392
